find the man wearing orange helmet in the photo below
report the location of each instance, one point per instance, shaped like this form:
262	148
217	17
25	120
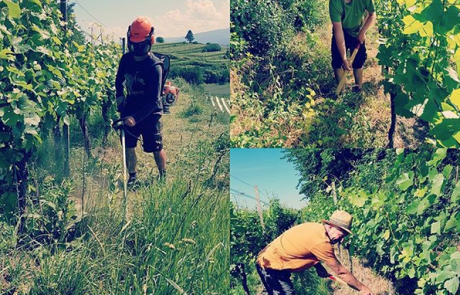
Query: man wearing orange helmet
304	246
140	72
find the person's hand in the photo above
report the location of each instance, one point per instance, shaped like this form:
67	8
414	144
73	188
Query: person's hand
129	121
361	37
346	66
120	103
366	291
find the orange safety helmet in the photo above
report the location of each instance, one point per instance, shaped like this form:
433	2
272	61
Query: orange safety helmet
140	36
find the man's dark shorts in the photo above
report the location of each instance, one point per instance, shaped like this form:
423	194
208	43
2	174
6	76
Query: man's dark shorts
350	43
276	281
150	129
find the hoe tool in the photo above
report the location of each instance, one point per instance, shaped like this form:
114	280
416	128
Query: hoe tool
120	125
344	76
335	279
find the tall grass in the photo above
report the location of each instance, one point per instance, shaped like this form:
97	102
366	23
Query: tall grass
176	238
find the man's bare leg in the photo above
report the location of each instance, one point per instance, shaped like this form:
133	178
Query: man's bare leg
160	160
131	160
358	73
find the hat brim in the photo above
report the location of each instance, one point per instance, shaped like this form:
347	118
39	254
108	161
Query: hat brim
336	225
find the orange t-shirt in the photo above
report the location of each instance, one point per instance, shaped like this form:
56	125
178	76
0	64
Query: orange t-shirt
298	248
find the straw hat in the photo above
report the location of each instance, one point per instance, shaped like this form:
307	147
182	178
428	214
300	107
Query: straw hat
340	219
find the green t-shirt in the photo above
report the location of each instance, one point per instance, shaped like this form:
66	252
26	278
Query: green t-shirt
350	14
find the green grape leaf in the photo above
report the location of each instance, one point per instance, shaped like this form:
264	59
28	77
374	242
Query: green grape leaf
436	227
452	223
421	192
37	2
438	181
450	19
446	171
412	25
444	275
14	10
423	205
438	156
413	207
434	12
455	97
446	129
455	262
452	285
386	235
405	181
455	197
358	199
7	54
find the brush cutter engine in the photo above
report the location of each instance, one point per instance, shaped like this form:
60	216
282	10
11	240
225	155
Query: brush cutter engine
170	96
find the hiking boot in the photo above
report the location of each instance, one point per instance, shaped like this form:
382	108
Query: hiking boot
356	89
132	180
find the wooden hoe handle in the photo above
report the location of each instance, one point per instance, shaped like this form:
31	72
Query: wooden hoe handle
343	79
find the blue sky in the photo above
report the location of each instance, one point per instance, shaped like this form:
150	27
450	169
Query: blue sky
170	18
265	168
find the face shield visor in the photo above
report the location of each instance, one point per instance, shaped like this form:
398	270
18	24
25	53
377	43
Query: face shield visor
140	48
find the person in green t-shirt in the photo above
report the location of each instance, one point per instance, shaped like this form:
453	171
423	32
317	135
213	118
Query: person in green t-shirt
348	30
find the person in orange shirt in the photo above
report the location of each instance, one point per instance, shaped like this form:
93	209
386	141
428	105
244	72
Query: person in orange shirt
304	246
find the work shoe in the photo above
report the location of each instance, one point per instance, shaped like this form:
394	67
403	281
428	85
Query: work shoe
132	180
356	89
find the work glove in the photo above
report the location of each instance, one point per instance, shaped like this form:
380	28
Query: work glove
121	102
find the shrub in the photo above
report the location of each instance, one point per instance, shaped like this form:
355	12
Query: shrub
160	40
262	23
193	75
211	48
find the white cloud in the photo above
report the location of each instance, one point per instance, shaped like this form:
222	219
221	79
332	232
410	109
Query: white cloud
198	16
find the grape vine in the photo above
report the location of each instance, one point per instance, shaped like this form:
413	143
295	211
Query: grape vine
46	79
421	51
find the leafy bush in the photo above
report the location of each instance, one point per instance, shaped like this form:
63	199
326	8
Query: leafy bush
193	75
262	23
213	76
211	48
160	40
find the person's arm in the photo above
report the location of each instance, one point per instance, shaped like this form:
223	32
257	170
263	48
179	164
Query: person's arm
347	277
340	41
153	93
367	24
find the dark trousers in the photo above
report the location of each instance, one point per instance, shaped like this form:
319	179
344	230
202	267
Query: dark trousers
276	282
350	44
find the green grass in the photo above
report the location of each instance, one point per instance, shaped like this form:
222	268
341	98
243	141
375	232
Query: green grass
217	89
191	55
